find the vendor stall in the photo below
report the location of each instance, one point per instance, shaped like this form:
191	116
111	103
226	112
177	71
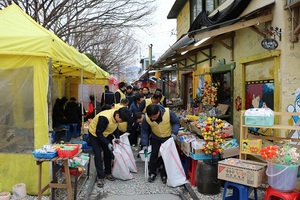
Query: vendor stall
30	57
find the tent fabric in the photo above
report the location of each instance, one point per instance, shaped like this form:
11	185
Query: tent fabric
26	52
32	39
23	120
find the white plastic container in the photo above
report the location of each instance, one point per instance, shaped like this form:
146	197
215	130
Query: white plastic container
4	196
142	154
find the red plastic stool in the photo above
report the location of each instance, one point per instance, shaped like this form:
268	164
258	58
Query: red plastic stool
272	194
192	171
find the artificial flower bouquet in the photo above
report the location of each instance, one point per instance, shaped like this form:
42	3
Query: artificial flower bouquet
209	94
213	136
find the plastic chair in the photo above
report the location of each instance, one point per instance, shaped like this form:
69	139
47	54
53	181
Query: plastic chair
192	167
239	191
272	194
74	130
66	130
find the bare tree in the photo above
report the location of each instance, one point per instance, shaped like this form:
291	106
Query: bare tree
92	26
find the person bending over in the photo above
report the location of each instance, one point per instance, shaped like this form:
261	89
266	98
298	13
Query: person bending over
101	130
162	123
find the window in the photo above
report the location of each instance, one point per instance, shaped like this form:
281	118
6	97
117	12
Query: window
195	8
210	6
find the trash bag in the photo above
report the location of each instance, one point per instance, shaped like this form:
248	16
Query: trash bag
173	165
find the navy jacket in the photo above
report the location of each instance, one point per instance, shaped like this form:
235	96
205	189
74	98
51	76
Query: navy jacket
146	129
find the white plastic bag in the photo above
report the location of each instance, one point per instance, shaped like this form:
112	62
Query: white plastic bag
126	150
120	170
174	169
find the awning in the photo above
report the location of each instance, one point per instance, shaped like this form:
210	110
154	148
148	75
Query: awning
249	18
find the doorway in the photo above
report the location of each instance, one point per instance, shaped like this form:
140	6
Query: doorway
187	83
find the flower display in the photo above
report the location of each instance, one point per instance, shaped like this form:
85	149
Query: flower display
209	94
285	154
212	134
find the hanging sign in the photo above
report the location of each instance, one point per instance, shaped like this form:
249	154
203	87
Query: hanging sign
269	43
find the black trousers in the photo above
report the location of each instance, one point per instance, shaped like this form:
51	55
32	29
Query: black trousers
98	147
156	161
135	131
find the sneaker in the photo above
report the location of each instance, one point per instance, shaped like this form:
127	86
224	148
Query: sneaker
100	182
164	179
151	178
109	177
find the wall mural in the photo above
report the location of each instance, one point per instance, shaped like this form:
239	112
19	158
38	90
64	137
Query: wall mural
260	94
294	120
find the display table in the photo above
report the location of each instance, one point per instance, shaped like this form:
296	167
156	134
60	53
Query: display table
54	184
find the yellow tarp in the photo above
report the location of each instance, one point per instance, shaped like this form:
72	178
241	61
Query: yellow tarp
26	50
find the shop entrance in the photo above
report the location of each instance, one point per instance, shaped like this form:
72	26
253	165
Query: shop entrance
223	75
186	89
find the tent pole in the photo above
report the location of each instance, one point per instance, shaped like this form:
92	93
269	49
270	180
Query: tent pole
49	99
95	99
81	100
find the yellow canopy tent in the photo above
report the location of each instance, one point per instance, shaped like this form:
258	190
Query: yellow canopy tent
29	57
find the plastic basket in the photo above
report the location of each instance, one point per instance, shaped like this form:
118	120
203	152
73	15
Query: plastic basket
68	153
40	155
259	120
73	171
282	177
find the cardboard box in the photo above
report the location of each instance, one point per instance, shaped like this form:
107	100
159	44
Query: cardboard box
197	151
197	145
186	148
187	126
242	171
85	128
227	128
251	145
195	129
231	152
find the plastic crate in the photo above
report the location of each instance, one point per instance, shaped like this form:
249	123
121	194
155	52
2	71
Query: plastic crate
259	120
73	171
201	156
68	153
39	155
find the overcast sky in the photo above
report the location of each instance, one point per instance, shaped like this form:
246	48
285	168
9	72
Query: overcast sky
160	34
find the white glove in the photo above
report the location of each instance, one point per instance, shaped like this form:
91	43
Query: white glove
126	133
110	147
174	137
